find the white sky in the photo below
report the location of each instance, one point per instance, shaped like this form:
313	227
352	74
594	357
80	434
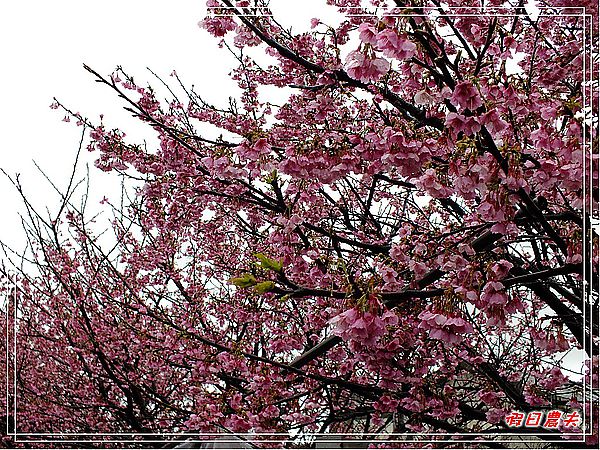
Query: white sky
45	43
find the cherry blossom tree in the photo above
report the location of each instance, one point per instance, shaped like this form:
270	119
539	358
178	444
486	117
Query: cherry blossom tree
398	243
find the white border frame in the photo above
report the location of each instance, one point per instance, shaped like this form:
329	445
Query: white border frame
587	19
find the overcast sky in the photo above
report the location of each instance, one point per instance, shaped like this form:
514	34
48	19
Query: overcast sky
44	46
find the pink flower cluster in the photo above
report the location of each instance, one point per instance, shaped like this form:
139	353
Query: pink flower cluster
545	340
552	379
363	327
493	122
494	294
490	397
221	166
252	153
445	328
500	269
386	404
366	69
387	41
430	182
466	96
458	123
369	69
217	26
394	46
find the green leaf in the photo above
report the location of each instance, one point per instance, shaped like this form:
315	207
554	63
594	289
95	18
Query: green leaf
268	263
245	281
264	287
271	177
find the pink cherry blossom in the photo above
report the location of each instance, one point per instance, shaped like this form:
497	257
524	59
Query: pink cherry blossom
489	397
430	182
364	68
500	269
368	33
424	98
217	26
445	328
363	327
466	96
496	415
458	123
493	122
494	293
394	46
